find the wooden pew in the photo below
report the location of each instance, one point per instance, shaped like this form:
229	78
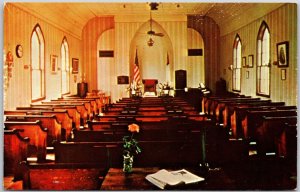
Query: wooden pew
71	110
93	102
229	109
255	119
63	176
37	135
80	107
287	145
148	131
217	105
270	132
238	119
15	151
98	99
154	153
50	122
87	105
207	101
61	115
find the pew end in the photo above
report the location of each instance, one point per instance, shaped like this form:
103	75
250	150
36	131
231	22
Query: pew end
63	176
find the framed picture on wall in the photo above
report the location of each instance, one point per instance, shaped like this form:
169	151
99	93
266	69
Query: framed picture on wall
283	54
283	74
250	61
244	62
75	63
53	63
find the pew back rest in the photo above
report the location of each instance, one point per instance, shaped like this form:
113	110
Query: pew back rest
48	121
60	176
15	151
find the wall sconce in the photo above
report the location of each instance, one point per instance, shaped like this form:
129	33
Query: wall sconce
230	67
150	42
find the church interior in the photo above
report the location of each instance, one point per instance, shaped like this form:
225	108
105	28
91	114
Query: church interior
100	95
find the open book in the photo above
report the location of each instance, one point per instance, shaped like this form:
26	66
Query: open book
164	178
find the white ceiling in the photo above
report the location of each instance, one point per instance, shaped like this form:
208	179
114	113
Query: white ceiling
72	17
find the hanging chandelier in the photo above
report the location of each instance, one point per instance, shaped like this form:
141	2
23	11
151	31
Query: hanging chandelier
150	42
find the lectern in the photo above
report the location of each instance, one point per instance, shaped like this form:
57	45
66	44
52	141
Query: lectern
82	89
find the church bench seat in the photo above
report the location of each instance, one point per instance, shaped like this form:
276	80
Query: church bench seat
255	119
137	117
208	100
80	107
240	112
269	134
48	121
36	133
229	109
93	102
63	176
266	104
72	112
62	116
109	154
86	104
98	99
65	120
218	105
152	130
15	151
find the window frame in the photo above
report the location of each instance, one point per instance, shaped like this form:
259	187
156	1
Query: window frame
43	71
63	44
237	41
259	57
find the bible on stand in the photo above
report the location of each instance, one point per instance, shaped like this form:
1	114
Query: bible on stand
164	178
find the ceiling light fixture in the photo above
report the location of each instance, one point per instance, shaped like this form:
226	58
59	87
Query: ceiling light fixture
150	42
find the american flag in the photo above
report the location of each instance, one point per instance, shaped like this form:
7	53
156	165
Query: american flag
136	70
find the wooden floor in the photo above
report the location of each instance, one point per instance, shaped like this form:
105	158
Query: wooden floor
253	176
9	184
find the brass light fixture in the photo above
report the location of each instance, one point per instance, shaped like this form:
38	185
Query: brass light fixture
150	42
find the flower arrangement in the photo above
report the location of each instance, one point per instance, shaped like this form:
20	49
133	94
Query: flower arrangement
130	148
134	87
165	86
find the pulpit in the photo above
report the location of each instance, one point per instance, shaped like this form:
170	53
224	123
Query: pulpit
150	85
82	89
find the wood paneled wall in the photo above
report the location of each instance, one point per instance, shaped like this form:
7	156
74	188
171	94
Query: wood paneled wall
210	32
282	24
18	26
90	34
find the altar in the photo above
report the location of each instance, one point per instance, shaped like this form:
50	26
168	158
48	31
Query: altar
150	86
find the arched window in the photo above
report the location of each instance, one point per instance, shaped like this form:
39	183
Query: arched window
37	64
263	61
65	67
237	62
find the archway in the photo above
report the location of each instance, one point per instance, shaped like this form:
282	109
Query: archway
106	41
155	62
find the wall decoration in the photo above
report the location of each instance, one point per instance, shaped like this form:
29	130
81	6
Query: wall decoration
75	65
247	74
19	51
53	63
250	61
123	80
244	63
283	54
283	74
9	62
